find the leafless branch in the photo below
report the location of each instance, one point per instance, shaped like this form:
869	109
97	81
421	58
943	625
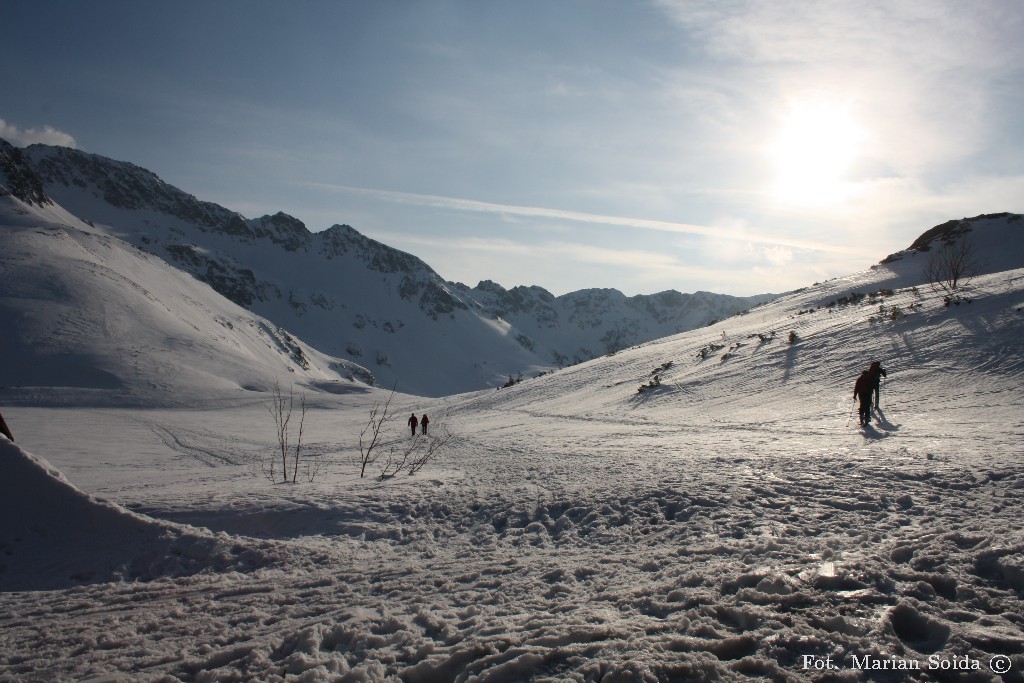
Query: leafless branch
298	445
281	408
952	266
373	433
418	453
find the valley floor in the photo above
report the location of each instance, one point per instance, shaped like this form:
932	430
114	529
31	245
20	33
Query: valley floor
602	546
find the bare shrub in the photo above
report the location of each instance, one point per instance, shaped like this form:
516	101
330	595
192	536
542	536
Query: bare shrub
281	408
372	435
952	266
436	443
413	456
311	466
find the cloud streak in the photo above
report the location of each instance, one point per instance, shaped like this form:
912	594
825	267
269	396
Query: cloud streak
475	206
584	253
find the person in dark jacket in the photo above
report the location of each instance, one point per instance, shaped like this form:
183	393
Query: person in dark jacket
876	372
862	390
5	430
424	421
412	423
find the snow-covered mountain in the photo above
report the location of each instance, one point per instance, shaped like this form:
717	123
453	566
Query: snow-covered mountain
355	298
96	320
582	325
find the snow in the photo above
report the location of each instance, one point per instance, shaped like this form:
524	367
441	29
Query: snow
733	523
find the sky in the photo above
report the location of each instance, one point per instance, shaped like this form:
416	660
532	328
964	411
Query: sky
738	147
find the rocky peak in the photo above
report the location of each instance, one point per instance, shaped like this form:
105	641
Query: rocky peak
17	177
595	299
532	301
339	240
491	287
288	231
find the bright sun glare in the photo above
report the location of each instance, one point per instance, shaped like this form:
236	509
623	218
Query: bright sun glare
813	151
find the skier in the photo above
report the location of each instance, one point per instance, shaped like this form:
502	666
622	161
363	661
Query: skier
876	372
862	389
424	421
5	430
412	423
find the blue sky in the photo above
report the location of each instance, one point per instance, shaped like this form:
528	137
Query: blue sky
737	147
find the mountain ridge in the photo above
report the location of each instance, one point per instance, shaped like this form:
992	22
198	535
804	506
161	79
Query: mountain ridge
359	299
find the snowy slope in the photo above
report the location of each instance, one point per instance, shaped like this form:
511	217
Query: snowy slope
731	524
90	318
840	326
355	298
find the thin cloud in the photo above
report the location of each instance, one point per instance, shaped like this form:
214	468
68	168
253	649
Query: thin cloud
649	266
583	253
472	205
927	87
776	256
47	135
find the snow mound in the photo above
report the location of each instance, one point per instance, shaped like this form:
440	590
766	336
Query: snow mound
55	536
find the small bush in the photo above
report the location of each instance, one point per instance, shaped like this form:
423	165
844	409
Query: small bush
708	350
512	381
653	384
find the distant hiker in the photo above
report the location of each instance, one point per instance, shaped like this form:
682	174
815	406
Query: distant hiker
424	421
876	372
5	430
862	389
412	423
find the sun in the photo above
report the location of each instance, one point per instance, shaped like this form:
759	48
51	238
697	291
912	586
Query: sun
813	151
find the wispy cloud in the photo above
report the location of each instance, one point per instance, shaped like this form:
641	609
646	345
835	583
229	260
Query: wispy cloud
746	270
472	205
764	31
561	250
47	135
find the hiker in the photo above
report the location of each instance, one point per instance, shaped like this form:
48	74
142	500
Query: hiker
412	423
5	430
424	421
876	372
862	390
